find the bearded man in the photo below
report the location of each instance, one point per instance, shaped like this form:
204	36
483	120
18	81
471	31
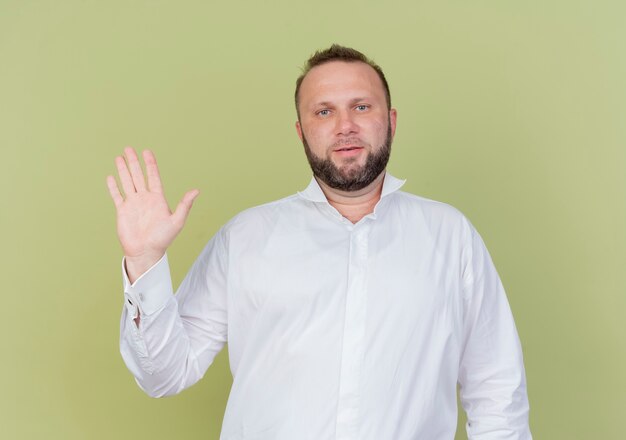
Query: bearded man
351	309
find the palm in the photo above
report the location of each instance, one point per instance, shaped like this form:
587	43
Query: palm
145	224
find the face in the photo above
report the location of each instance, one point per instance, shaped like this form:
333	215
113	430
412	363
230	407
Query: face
344	124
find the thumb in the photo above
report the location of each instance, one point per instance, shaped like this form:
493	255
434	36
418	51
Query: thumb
184	206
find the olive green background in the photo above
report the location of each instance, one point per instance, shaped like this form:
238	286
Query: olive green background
514	112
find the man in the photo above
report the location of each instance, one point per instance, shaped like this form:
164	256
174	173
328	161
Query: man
351	309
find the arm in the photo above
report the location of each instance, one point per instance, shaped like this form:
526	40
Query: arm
167	342
492	378
178	336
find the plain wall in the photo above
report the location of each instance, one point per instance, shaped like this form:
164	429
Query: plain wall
514	112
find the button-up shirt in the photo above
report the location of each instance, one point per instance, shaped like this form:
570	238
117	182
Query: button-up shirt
338	330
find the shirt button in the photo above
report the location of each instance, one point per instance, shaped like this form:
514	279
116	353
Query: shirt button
141	297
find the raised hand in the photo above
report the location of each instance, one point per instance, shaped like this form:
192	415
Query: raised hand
145	224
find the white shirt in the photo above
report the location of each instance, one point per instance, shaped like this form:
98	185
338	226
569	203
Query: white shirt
338	330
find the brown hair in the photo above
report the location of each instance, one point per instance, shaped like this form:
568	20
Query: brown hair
340	53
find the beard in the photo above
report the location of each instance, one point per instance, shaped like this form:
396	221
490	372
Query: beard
349	177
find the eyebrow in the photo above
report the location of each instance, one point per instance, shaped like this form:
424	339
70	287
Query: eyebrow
329	104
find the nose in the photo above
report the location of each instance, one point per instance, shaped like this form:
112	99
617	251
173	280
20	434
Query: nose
346	124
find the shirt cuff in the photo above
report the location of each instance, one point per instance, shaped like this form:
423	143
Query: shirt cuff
150	292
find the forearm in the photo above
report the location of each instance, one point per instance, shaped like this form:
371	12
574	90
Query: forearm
158	352
153	341
494	396
176	338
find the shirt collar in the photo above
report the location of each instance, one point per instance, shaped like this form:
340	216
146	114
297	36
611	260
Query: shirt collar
314	193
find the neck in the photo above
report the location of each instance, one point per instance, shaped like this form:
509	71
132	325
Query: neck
354	205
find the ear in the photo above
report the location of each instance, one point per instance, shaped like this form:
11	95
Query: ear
393	116
299	129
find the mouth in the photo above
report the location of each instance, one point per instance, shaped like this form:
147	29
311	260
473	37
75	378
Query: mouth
348	150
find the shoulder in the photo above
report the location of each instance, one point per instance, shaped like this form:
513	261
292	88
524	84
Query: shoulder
263	215
430	209
437	219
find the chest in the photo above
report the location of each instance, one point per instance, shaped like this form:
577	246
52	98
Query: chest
399	276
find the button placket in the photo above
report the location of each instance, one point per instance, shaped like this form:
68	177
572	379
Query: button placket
354	337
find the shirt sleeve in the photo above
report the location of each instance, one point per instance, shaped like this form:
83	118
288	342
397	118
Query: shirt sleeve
491	377
178	336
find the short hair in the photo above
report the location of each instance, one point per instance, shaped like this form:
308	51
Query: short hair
340	53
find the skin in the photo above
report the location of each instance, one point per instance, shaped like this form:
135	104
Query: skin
145	224
343	116
342	104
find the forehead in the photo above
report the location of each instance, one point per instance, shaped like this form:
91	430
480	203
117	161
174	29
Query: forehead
337	80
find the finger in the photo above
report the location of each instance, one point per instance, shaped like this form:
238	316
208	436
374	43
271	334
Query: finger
114	191
152	170
125	179
135	169
183	208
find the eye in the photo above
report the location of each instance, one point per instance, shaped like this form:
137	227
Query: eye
362	107
325	112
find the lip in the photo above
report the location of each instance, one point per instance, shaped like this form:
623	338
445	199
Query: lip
348	150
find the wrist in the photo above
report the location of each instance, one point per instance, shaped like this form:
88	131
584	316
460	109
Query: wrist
136	266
